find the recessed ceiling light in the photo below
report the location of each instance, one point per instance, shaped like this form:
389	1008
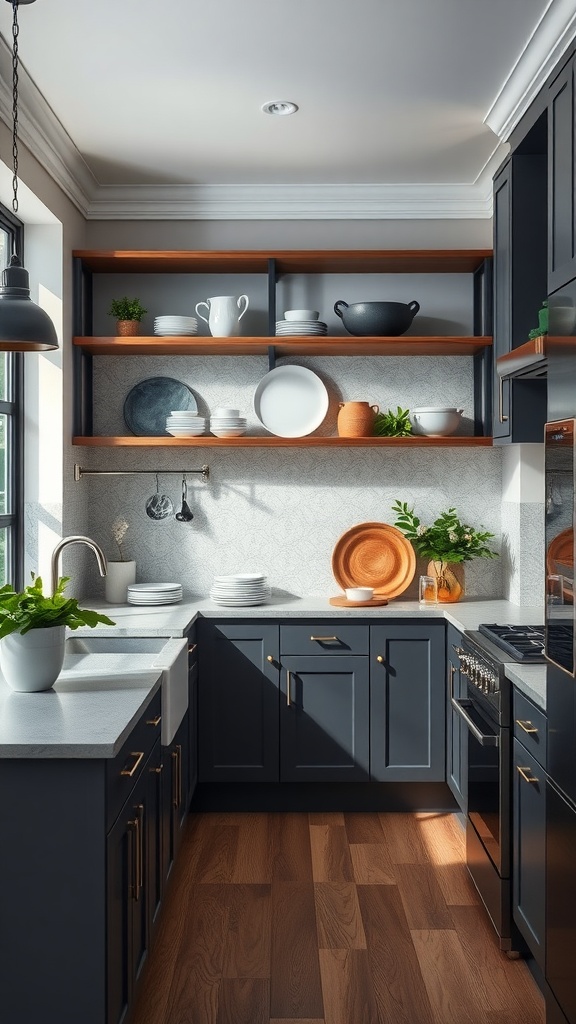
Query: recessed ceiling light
280	107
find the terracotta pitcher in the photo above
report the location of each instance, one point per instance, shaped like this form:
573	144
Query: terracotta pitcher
356	419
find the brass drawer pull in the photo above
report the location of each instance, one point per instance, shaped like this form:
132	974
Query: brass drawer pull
527	778
379	659
324	639
192	648
157	770
288	685
129	772
526	726
154	721
177	776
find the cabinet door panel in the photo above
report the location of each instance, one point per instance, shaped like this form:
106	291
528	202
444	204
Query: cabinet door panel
238	703
154	838
502	341
407	719
561	252
529	850
120	871
324	719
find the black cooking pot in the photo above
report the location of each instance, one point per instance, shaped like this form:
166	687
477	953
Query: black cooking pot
386	319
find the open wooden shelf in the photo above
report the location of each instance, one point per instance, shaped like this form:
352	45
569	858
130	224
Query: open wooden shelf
291	261
527	360
248	441
285	346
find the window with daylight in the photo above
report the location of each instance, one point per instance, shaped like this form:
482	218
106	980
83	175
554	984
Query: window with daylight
11	430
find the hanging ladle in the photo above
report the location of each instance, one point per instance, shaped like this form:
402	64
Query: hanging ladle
185	515
159	506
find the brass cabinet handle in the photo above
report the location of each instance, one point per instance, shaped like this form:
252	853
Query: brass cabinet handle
134	827
137	833
452	674
379	659
157	770
138	754
501	416
154	721
140	848
526	726
269	658
323	639
177	776
288	684
527	778
192	648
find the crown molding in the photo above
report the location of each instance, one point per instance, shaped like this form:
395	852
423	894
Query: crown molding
549	40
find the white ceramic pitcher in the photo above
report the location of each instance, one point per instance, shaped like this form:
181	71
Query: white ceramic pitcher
223	319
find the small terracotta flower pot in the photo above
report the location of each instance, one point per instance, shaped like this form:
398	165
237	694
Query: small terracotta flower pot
127	328
356	419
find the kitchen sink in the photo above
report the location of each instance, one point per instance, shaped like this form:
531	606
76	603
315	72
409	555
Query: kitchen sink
115	644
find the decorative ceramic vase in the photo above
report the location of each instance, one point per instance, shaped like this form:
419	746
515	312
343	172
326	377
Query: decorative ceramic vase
450	588
127	328
32	661
119	576
223	317
356	419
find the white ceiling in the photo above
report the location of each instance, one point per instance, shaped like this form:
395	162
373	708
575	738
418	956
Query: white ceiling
389	90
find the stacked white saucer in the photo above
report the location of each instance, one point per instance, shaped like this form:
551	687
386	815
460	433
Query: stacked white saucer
226	422
175	326
298	327
154	593
182	423
240	590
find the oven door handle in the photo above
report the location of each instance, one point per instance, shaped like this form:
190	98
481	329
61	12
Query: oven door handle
484	740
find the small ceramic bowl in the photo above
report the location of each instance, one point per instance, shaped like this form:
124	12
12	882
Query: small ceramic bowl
225	413
301	314
435	420
359	594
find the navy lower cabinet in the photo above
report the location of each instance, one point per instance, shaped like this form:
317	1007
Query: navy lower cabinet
407	710
529	825
175	792
456	729
324	718
238	702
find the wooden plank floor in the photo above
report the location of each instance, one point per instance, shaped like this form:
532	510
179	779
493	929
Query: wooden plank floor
329	919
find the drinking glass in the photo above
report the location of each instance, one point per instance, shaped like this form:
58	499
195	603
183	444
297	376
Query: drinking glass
428	590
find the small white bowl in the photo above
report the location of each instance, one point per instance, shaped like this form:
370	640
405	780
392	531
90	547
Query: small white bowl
359	594
224	412
435	420
301	314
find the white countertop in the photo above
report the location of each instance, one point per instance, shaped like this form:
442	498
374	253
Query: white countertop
90	715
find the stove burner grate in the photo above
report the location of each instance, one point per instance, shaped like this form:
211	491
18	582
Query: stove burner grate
524	643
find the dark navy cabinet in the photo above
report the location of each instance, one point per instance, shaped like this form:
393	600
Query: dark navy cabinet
456	729
407	711
520	286
562	204
529	824
239	677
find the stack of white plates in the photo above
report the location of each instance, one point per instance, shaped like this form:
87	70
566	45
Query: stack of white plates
181	423
154	593
240	590
297	327
175	326
228	426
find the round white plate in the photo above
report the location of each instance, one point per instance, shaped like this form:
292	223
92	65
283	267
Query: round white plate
154	588
291	401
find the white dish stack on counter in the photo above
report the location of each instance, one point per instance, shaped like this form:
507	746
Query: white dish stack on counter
175	326
181	423
154	593
240	590
226	422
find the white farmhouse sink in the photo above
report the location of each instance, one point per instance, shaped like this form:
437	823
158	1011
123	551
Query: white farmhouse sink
127	655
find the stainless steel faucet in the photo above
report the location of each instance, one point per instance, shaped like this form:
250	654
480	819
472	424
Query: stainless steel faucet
100	556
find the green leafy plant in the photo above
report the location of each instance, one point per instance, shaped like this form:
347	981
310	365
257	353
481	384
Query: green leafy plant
30	609
393	424
127	309
446	540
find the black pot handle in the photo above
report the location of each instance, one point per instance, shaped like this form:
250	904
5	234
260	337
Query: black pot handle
337	309
414	307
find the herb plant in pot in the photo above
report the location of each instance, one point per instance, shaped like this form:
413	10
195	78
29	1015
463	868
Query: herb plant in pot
128	313
120	573
33	633
446	543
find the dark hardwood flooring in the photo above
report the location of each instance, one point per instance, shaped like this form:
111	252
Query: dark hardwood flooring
329	919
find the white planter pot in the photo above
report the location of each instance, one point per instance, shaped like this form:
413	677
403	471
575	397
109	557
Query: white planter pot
119	575
33	661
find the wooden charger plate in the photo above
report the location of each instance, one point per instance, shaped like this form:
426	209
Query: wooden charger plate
342	602
374	555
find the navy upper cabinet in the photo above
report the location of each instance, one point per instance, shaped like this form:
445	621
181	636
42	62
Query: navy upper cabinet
520	286
407	716
561	152
238	702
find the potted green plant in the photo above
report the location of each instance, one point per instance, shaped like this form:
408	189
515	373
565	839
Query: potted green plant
393	424
33	633
128	314
445	542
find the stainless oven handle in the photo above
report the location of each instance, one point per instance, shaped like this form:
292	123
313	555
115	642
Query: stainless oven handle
483	740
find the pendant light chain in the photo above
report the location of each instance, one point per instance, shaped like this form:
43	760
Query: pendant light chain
15	31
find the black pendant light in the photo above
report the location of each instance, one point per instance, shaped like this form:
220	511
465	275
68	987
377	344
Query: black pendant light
24	326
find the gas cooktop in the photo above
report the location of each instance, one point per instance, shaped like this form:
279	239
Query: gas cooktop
523	643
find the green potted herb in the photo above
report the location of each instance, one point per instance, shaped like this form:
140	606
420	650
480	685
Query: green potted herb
128	314
33	633
393	424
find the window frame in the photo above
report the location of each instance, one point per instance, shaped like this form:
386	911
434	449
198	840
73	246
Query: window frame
13	408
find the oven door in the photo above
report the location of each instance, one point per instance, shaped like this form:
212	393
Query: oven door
488	776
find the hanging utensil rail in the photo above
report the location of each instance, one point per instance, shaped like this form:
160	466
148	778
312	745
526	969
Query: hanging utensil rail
79	472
